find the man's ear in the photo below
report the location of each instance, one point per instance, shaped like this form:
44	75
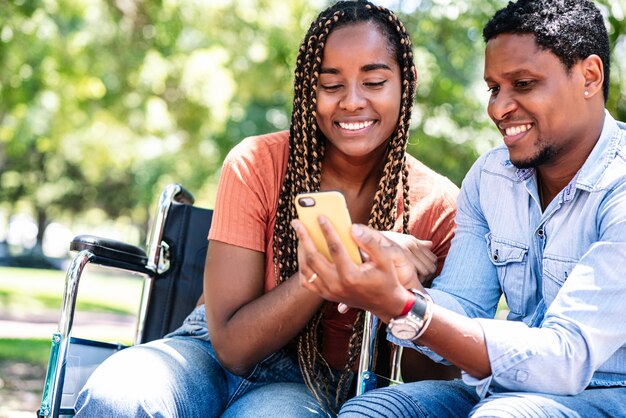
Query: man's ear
593	73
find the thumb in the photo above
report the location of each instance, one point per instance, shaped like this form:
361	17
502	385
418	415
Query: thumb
371	241
427	244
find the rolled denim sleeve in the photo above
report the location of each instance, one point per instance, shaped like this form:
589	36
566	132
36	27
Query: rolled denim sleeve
579	339
468	283
467	264
583	328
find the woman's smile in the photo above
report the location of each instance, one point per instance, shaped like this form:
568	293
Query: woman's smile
359	91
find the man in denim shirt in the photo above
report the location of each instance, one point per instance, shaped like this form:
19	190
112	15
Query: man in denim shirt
541	220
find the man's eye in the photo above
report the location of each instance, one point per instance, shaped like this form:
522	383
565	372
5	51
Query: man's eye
523	84
493	90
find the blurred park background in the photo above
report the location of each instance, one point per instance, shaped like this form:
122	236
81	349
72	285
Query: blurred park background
104	102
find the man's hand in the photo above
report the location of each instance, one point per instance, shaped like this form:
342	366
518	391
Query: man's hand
376	285
418	253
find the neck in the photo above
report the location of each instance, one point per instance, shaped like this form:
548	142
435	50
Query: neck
348	174
555	175
550	183
357	179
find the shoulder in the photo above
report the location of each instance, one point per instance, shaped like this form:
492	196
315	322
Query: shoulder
259	160
615	173
260	148
259	155
496	163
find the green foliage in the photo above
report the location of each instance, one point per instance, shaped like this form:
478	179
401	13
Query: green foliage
103	102
451	127
31	350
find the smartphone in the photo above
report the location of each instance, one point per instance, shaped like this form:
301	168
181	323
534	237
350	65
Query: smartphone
333	206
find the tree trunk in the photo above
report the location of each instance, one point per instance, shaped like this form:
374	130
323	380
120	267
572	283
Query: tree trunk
42	223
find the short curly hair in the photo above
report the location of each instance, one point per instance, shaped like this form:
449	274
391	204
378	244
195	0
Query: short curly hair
570	29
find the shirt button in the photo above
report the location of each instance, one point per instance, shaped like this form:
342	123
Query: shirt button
540	232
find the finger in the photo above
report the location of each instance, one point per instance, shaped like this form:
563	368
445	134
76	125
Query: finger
427	251
336	248
424	264
364	255
384	236
425	271
426	243
306	251
421	256
343	283
304	239
312	261
369	240
342	308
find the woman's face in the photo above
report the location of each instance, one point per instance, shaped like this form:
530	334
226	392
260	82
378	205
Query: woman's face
359	90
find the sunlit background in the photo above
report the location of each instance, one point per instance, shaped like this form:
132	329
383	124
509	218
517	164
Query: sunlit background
104	102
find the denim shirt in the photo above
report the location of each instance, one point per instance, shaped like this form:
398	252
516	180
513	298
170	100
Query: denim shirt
562	272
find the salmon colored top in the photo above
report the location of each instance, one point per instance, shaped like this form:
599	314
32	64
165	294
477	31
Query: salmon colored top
247	200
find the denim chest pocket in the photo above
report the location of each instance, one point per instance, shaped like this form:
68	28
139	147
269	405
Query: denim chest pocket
556	270
510	259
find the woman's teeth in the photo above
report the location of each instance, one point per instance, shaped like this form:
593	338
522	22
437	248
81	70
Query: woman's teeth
355	126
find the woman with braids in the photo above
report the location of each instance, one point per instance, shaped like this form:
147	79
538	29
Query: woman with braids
268	346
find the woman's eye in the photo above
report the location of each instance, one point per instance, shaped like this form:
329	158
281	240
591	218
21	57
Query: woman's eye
375	84
330	87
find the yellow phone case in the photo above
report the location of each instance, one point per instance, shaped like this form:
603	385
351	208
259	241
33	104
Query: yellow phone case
333	206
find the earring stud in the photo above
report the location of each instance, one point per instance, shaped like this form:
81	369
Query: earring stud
586	93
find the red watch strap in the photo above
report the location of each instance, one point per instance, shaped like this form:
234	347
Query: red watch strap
409	304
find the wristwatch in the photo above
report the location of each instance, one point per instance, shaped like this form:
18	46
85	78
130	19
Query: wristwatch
410	326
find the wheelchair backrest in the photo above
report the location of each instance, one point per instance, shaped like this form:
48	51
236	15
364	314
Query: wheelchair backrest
176	291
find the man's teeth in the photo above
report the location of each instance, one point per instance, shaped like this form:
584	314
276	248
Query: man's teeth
355	126
517	129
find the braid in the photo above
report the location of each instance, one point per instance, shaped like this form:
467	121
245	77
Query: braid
304	168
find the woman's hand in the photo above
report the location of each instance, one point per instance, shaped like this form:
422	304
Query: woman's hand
376	285
418	253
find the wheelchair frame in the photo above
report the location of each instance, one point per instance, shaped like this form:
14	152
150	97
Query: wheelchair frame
115	254
156	262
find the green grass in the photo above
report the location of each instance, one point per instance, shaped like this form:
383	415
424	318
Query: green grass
30	350
26	292
23	290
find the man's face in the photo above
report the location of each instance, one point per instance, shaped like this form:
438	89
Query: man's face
537	105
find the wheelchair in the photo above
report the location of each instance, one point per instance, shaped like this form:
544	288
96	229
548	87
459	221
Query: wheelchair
173	268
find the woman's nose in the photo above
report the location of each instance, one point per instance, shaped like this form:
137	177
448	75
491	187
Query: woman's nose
353	99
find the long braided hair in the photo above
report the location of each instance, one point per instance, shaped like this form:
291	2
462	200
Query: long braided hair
304	168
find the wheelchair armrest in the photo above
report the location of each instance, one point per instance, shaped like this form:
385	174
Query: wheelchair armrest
184	196
112	253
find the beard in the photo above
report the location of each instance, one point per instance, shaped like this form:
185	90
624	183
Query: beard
543	155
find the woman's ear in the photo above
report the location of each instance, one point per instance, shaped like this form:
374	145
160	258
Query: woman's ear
593	72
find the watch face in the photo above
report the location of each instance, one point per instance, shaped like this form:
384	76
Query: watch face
403	331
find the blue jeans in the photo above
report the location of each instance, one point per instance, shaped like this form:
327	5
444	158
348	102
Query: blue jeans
180	376
442	399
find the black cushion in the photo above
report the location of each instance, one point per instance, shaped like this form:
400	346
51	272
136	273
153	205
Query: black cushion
109	248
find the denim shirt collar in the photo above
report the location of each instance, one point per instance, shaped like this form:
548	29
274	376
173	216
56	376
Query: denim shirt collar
603	153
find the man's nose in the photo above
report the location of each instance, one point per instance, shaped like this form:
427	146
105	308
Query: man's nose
501	105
